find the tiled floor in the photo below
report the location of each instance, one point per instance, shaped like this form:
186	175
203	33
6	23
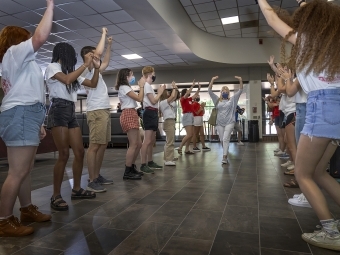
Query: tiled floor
197	208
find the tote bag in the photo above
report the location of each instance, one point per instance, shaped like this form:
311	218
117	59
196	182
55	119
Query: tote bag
213	116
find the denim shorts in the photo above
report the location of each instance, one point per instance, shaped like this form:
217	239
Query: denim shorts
187	119
322	116
62	113
20	125
299	120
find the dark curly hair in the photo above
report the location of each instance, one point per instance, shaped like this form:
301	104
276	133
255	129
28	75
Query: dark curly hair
68	59
183	92
317	25
122	78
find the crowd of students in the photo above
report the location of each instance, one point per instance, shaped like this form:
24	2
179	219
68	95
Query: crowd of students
305	106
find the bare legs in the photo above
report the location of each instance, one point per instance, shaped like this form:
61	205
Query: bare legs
187	139
95	156
135	145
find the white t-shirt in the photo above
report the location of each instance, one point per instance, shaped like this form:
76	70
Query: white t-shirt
149	90
300	97
22	78
126	102
174	105
167	109
97	98
55	87
313	82
289	105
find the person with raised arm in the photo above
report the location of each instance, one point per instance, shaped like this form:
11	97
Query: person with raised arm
226	108
316	65
63	82
150	120
188	117
21	120
98	115
129	119
169	116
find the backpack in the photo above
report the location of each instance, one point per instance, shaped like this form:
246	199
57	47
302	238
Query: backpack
213	116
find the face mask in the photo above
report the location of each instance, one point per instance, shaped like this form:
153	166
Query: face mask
132	80
153	78
198	99
225	95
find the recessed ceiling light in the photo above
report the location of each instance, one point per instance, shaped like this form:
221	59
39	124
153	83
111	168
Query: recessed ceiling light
131	56
230	20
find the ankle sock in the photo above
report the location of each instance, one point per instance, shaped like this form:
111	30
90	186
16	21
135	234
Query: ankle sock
26	205
330	226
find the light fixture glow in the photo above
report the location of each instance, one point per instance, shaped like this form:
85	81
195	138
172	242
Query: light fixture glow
132	56
230	20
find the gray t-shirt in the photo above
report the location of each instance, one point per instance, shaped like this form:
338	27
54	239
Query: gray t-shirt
226	108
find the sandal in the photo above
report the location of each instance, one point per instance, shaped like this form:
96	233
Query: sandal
189	152
56	203
292	184
82	194
180	152
289	172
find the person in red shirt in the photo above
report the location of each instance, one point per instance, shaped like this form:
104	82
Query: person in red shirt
188	117
198	112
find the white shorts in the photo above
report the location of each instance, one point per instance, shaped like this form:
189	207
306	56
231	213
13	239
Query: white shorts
198	121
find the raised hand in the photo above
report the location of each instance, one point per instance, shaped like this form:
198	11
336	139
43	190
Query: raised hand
174	85
214	78
50	4
193	83
270	78
271	60
109	40
104	29
161	89
239	78
96	62
88	58
199	85
141	82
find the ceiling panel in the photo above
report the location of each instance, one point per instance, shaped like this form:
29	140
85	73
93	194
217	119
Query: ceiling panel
10	7
104	6
95	20
209	15
207	7
226	4
131	26
118	16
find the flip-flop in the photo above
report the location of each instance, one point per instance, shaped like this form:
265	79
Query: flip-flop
292	184
289	172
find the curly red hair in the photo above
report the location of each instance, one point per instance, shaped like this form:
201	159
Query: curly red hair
12	35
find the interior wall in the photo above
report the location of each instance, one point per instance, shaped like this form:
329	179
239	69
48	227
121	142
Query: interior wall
226	74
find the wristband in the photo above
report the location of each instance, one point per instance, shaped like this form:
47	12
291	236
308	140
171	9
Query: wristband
85	66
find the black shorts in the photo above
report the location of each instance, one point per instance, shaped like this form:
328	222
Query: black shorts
62	114
277	121
150	119
290	119
281	120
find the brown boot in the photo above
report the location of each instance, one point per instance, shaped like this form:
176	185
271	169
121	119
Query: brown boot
31	214
11	227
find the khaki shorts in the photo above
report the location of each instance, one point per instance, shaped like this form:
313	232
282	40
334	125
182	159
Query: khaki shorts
99	122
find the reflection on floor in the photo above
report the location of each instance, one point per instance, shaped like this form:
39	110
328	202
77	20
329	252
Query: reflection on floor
199	207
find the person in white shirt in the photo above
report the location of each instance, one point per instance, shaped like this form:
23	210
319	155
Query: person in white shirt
63	83
129	119
98	116
315	60
169	117
21	119
150	120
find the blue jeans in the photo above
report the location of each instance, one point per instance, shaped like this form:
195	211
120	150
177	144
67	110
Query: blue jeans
300	118
20	125
322	117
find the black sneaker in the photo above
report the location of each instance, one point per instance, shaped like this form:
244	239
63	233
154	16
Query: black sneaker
153	165
103	181
206	148
196	149
129	175
134	167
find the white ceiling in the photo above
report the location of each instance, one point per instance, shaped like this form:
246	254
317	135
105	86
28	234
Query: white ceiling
80	22
207	15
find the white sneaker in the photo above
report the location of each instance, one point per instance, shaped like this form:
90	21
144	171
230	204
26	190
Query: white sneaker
279	153
297	195
291	167
300	201
287	164
240	143
170	163
323	239
225	161
277	150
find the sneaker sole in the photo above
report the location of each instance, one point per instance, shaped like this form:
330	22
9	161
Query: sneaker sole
206	150
154	168
96	191
299	205
148	173
133	179
106	183
170	165
326	246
